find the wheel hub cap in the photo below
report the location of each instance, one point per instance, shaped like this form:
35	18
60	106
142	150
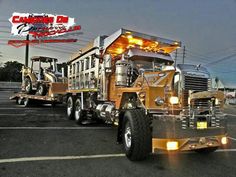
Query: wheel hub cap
77	112
128	137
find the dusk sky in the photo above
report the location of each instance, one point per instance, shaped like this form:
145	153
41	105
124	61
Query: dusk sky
206	27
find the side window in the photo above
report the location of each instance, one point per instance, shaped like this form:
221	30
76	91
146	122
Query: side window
70	69
87	63
78	69
82	65
176	83
73	68
93	61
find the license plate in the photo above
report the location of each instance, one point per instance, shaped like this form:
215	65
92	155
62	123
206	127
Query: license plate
201	125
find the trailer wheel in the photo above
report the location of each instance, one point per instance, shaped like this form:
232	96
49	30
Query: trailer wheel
79	113
19	101
26	102
42	89
206	150
136	134
28	85
70	108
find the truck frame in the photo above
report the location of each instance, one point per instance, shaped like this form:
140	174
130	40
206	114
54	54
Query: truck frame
128	79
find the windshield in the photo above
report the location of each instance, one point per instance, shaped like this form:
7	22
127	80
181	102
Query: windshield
149	65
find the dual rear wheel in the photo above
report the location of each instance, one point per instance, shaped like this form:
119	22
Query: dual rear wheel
74	110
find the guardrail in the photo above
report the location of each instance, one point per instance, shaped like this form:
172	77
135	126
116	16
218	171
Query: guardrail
10	85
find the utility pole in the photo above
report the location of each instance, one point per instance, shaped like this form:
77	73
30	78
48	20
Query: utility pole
184	54
27	51
176	54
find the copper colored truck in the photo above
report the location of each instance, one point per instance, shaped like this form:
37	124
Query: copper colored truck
128	79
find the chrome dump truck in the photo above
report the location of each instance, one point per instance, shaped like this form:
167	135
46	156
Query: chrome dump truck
128	79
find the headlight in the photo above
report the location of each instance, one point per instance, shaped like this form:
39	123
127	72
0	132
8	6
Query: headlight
224	140
217	102
174	100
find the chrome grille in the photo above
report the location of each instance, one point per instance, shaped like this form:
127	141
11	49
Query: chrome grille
195	84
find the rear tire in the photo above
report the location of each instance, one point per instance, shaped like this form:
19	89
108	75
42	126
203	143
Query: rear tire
136	135
70	108
26	102
19	101
80	115
28	85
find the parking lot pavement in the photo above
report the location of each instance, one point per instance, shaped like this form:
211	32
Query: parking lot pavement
40	141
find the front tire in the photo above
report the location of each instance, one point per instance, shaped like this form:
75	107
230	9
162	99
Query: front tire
26	102
42	89
136	135
79	113
19	101
70	108
28	85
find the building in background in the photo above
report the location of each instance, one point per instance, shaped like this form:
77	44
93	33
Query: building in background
229	90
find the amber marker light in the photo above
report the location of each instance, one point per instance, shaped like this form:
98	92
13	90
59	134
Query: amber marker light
172	145
119	50
129	36
134	40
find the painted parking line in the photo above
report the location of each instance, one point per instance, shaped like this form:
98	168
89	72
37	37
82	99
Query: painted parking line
55	128
49	158
27	159
32	114
29	108
234	139
13	114
233	115
226	150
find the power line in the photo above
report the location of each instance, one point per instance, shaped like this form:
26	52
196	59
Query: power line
220	60
224	72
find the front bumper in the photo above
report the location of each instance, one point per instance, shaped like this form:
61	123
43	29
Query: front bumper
169	128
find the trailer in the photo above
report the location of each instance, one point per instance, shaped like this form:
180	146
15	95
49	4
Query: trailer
56	95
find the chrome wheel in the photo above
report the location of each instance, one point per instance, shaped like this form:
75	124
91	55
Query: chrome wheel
70	108
80	114
20	101
78	110
128	135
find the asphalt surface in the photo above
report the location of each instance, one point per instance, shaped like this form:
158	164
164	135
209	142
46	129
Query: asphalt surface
40	141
